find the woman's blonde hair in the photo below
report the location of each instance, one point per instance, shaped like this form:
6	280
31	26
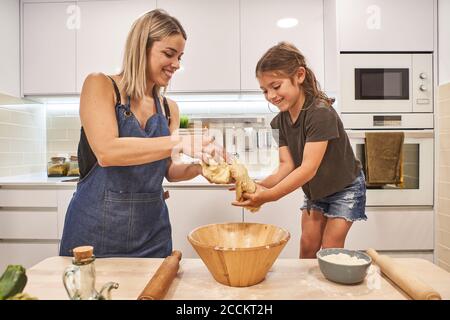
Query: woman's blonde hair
285	59
148	28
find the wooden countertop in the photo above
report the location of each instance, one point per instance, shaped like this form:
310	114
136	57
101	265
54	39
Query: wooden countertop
289	279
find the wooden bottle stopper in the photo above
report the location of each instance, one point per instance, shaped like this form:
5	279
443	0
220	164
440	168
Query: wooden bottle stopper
82	253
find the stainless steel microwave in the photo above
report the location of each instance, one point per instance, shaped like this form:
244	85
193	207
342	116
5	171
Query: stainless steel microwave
386	82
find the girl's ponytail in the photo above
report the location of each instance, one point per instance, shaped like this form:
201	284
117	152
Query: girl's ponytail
312	88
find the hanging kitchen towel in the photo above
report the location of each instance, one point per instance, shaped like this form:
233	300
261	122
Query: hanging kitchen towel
384	158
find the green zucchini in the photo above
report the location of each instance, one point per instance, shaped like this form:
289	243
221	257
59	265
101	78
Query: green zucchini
22	296
12	281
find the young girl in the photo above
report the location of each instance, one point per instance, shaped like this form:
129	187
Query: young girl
314	153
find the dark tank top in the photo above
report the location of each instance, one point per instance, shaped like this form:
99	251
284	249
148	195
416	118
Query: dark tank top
86	157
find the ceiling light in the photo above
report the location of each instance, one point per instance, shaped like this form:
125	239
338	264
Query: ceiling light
287	23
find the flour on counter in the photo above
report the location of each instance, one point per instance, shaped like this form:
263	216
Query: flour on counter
342	258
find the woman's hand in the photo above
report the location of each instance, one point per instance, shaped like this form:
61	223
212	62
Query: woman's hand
195	145
216	152
256	199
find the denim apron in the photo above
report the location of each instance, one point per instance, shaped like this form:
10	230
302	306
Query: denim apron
121	211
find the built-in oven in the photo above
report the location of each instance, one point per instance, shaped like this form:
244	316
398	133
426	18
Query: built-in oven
417	156
386	82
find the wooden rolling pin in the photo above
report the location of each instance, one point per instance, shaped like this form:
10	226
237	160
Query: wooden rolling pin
159	284
403	278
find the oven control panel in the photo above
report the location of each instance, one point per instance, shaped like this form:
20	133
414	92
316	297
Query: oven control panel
422	82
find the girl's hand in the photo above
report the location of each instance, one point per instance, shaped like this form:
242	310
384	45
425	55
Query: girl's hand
257	199
233	188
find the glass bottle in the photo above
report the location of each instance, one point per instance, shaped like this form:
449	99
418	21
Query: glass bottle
79	278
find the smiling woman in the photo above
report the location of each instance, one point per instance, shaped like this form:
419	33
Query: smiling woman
127	139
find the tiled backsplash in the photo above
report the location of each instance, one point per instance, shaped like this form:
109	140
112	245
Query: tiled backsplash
63	129
22	139
443	201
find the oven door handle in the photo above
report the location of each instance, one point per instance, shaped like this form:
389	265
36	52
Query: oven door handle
416	134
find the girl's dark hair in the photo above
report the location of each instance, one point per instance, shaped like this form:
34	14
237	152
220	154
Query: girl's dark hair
285	59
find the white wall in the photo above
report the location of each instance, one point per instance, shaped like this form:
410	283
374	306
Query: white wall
10	50
444	41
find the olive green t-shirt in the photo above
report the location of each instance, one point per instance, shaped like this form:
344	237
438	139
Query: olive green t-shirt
318	122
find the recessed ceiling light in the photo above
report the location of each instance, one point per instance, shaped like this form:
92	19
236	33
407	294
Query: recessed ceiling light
287	23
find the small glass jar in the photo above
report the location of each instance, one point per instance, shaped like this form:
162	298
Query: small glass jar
57	167
74	170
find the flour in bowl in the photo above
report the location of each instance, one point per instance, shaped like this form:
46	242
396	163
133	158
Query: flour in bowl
345	259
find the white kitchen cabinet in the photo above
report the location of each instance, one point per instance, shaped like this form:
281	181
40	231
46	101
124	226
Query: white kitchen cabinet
26	253
393	229
385	25
192	207
211	56
28	224
10	35
65	41
26	197
49	48
103	32
284	213
31	222
259	32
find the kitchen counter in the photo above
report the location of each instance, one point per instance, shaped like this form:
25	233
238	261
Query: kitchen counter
288	279
41	179
37	179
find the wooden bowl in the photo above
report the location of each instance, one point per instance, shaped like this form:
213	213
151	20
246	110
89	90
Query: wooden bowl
238	254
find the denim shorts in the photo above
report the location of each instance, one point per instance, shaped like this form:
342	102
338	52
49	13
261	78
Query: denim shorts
349	203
